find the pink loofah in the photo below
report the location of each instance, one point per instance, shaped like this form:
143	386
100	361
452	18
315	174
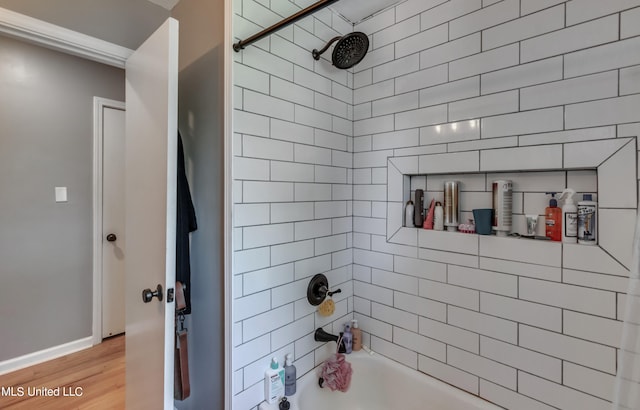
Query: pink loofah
336	373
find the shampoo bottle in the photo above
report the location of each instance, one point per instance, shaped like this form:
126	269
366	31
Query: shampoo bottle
341	347
273	382
587	220
418	215
428	221
569	217
438	217
553	219
408	214
347	338
357	335
289	376
502	207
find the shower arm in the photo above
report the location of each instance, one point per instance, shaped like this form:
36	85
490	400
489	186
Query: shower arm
283	23
316	54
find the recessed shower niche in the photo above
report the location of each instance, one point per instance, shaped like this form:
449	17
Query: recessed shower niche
529	197
607	168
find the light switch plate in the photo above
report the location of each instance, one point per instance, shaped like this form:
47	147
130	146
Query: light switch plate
61	194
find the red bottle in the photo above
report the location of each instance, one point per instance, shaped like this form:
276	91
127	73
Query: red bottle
553	219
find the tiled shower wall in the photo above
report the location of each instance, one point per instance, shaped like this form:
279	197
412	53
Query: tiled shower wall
292	190
310	170
501	318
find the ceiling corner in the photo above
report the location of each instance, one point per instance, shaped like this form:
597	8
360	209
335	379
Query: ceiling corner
167	4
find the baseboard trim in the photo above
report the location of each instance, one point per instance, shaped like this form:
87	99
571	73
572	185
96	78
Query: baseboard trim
41	356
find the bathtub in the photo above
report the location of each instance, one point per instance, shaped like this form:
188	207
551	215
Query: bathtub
379	383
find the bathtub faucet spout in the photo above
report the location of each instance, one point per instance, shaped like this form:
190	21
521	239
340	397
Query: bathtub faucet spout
322	336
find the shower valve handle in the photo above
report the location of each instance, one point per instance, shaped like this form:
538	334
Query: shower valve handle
334	292
324	291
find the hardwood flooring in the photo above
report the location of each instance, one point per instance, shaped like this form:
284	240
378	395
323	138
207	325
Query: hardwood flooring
92	379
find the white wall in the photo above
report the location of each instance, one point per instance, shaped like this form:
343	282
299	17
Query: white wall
522	324
46	141
292	191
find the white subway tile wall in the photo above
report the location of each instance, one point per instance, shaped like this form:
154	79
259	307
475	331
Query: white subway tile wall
469	90
293	174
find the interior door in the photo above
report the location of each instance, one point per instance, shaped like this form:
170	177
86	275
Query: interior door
113	241
150	212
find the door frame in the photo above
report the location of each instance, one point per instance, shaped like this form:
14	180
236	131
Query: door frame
228	279
99	104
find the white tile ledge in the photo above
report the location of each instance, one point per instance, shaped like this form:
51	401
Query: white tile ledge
592	154
539	252
573	157
448	241
522	250
591	259
405	236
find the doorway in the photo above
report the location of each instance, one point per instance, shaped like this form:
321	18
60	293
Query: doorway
109	240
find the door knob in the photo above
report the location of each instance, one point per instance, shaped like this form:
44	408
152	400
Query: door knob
148	294
111	237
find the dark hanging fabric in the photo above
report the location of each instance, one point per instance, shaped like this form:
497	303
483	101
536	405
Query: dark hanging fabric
185	223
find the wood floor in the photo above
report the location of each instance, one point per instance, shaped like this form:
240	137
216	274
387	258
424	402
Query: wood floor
90	379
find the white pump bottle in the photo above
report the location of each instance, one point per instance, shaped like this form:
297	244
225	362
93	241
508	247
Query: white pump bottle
569	217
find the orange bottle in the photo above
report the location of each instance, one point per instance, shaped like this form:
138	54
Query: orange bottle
553	219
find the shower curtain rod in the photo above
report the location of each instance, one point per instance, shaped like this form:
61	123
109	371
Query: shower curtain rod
289	20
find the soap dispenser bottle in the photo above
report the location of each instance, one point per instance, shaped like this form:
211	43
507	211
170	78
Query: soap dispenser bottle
587	220
357	335
553	219
273	382
347	338
569	217
289	376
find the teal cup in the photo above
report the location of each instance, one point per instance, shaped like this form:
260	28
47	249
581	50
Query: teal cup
483	219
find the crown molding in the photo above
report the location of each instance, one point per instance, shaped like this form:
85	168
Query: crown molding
61	39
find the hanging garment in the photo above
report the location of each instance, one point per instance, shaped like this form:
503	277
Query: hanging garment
185	223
